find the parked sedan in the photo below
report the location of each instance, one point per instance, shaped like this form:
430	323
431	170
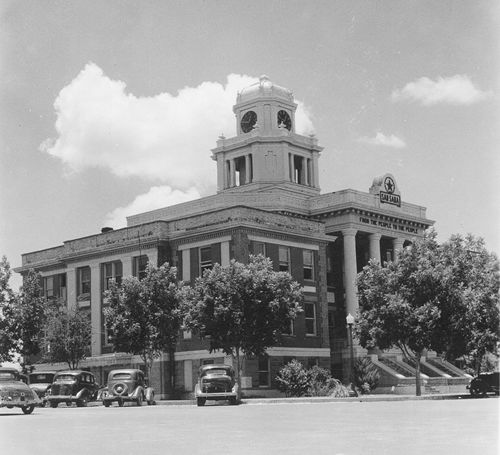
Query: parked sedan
41	382
216	382
72	386
127	385
15	393
484	383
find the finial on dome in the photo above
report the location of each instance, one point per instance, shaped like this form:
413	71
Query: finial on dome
264	78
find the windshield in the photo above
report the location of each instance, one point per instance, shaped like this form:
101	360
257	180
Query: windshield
65	377
41	378
8	376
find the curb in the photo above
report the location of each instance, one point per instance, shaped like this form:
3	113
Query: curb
312	400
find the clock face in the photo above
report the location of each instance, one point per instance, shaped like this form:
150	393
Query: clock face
284	119
248	121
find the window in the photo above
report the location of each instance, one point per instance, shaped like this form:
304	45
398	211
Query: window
83	281
139	264
308	256
263	371
291	329
284	259
205	259
111	271
310	317
259	248
48	287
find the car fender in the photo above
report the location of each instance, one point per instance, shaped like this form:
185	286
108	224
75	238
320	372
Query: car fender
82	393
150	394
137	392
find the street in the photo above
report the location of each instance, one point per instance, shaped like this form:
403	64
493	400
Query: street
401	427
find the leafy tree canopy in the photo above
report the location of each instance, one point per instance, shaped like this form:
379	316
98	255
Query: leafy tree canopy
243	308
429	298
144	316
67	337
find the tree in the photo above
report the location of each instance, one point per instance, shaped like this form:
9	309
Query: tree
243	308
68	336
7	344
474	283
400	304
434	297
26	315
144	316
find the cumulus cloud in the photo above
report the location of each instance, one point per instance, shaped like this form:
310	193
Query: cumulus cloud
382	139
455	90
165	138
157	197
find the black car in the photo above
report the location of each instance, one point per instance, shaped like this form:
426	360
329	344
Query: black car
485	383
41	382
72	386
216	382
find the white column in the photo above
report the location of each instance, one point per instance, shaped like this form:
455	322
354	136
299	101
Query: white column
71	288
315	170
290	166
188	375
186	265
304	172
375	246
95	308
350	270
397	244
224	254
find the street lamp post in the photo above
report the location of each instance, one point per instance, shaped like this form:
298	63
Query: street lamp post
350	322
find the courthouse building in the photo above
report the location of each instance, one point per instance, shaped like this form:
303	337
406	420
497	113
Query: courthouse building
268	201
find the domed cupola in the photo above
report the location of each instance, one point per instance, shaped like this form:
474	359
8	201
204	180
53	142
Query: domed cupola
264	106
266	152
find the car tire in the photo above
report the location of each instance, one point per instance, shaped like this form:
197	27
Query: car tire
106	404
200	401
139	399
120	402
28	409
53	404
151	400
232	401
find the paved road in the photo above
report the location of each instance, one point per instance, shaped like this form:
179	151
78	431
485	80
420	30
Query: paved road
404	427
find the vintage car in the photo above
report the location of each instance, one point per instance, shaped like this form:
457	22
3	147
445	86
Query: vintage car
41	382
15	393
72	386
127	385
216	382
485	383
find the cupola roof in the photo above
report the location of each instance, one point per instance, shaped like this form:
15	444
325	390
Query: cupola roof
264	89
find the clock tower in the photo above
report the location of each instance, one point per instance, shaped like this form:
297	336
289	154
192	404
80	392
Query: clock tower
267	153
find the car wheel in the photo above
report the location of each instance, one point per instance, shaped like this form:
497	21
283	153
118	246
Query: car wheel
28	409
120	402
151	400
106	404
476	390
200	401
53	404
68	404
138	400
232	401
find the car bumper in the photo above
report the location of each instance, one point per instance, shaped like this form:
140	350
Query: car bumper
6	403
215	395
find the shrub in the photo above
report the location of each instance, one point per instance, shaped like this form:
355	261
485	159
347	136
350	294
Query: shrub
321	384
293	379
366	375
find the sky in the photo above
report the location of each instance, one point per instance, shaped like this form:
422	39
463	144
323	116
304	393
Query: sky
111	108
